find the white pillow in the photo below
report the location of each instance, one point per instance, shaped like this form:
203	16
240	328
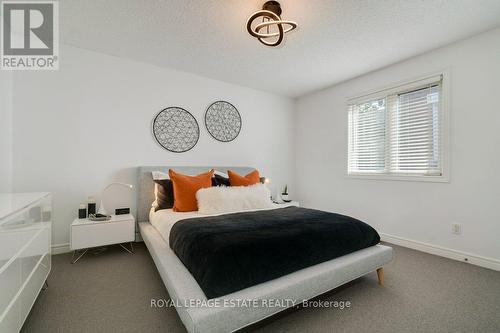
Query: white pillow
218	200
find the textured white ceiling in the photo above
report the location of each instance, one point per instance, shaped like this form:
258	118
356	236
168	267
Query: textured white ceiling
336	39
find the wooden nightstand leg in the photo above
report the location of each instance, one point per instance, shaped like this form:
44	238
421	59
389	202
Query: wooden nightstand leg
380	275
73	260
131	248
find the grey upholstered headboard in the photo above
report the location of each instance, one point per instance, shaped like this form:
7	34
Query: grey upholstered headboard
145	184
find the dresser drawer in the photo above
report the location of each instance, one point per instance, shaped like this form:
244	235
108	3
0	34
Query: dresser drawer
33	286
19	307
100	234
25	244
15	271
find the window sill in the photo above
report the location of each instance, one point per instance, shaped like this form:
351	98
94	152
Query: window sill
407	178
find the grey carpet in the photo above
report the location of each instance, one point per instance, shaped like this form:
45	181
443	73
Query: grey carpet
111	292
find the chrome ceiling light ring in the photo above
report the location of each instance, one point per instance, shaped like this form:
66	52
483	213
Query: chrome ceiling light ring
270	16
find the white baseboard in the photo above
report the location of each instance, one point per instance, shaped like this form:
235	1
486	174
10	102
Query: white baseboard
60	248
443	252
405	242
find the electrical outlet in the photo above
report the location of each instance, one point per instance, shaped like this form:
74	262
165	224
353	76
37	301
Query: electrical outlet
456	228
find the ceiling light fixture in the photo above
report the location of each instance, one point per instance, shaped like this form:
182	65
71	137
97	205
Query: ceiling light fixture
274	27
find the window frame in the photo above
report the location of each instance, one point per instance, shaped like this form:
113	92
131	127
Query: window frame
444	135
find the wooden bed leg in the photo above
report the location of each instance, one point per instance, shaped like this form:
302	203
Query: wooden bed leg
380	275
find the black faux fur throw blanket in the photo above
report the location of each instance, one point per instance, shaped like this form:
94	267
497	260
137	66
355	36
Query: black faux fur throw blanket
231	252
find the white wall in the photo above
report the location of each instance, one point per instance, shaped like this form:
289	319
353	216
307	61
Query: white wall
417	211
88	124
5	131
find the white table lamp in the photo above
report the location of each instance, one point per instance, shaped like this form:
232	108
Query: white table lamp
102	210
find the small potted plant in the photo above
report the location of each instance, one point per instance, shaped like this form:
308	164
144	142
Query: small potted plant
284	194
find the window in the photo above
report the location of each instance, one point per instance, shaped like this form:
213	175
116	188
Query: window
397	133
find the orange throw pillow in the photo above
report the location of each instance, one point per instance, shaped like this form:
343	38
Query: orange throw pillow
185	188
237	180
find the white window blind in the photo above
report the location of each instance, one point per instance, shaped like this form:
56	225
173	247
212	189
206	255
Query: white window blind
367	136
397	131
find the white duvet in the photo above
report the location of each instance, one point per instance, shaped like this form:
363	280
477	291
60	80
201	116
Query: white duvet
164	219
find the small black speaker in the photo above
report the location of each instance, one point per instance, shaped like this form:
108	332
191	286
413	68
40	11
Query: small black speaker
82	213
91	208
122	211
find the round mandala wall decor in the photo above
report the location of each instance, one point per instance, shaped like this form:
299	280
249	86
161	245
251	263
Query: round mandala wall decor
176	130
223	121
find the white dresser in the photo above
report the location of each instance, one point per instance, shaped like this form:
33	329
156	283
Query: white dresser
25	239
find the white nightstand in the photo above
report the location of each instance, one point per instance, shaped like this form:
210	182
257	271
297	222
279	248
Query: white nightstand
85	234
287	204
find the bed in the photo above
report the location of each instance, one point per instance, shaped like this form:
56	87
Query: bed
221	315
